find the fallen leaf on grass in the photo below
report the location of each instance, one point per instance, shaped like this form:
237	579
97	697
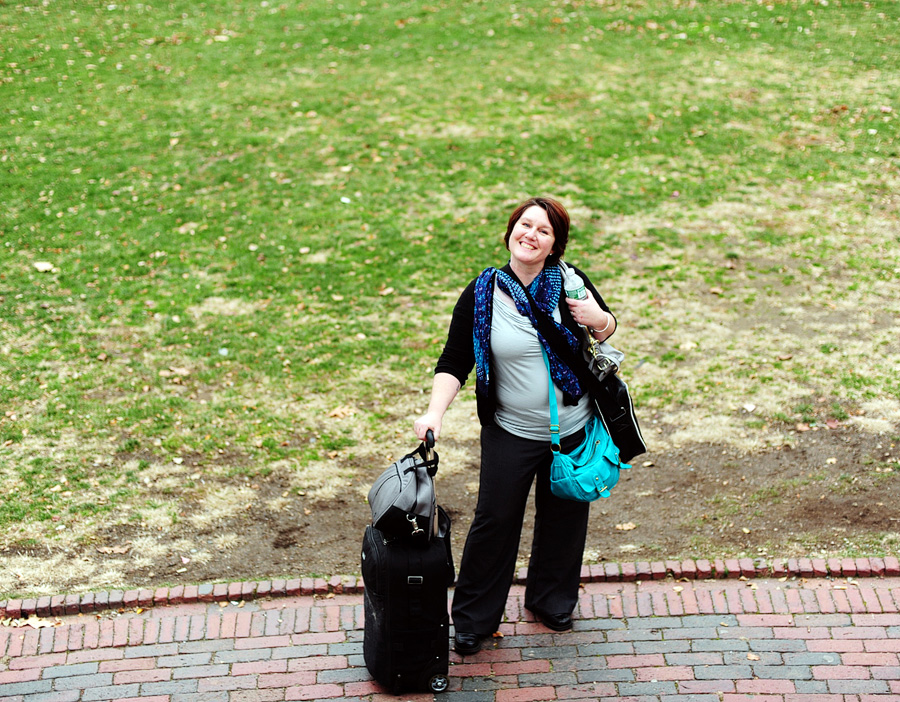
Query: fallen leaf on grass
187	227
114	549
342	412
174	371
627	526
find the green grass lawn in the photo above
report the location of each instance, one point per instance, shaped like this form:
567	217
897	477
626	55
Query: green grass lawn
238	228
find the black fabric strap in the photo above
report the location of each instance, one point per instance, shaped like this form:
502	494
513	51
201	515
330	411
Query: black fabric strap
606	402
415	581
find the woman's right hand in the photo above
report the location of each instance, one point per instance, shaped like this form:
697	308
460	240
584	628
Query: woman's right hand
443	390
427	421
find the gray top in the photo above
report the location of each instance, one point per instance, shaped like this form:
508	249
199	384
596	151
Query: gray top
523	404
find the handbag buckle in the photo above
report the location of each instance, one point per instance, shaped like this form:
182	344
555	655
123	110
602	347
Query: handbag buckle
602	366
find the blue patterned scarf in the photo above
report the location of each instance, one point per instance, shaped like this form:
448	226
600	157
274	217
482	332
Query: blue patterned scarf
545	290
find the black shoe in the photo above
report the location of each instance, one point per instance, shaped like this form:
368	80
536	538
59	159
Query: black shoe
556	622
466	644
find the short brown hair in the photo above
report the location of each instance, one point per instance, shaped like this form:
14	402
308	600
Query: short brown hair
559	220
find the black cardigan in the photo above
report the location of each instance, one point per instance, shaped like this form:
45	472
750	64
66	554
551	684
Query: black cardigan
458	356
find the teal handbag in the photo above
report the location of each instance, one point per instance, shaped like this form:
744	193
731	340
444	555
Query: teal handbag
592	469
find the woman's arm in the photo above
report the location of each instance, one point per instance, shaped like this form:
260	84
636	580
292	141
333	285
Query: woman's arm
604	326
453	366
593	312
443	391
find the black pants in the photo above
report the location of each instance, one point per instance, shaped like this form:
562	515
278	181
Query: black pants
509	465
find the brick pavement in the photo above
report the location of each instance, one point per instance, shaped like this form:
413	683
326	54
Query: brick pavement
789	639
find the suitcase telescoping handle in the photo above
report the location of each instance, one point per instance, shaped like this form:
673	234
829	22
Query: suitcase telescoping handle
429	454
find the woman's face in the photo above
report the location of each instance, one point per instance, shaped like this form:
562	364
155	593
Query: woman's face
532	239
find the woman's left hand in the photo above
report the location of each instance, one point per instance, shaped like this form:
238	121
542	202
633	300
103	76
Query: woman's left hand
588	313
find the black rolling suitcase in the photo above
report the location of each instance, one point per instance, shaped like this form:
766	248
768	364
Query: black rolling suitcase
406	643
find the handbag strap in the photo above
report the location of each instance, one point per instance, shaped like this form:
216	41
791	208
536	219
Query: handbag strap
558	342
603	393
554	408
426	455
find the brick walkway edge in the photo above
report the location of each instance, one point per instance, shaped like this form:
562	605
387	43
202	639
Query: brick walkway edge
743	568
790	639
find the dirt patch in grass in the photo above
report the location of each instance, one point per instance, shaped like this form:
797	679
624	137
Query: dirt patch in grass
821	492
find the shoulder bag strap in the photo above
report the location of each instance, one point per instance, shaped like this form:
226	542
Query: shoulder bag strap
554	408
602	394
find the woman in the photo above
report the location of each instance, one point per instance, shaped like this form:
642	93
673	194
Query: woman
494	328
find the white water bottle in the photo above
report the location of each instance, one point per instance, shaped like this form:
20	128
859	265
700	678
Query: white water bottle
573	284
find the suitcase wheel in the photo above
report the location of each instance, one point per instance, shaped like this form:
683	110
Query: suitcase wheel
439	683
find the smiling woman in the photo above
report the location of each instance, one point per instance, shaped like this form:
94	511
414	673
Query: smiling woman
494	329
